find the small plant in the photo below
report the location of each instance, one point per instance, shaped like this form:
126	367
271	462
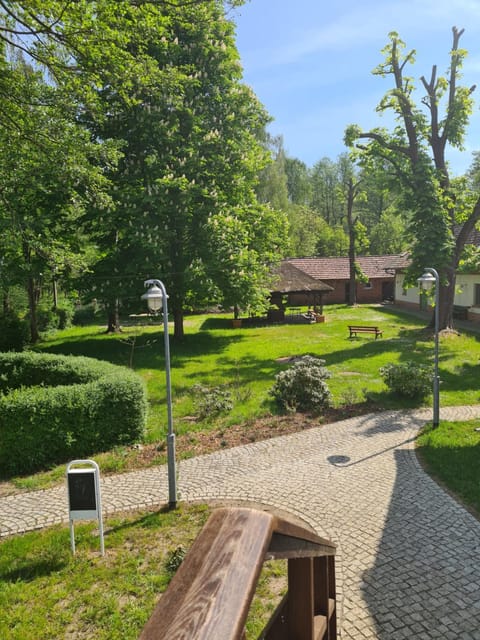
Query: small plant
174	559
303	386
212	401
408	379
351	396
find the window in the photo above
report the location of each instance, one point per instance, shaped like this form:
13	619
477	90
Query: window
368	285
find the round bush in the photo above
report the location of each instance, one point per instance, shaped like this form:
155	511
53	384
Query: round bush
408	379
56	408
303	386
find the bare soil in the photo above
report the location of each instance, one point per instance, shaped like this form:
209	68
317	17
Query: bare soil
199	443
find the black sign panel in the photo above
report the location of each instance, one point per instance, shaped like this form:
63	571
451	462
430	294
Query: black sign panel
81	491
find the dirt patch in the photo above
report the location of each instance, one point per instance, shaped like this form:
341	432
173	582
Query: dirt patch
202	442
199	443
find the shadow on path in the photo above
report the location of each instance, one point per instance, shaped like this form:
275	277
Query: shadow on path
423	585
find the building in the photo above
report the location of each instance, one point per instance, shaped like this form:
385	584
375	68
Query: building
335	272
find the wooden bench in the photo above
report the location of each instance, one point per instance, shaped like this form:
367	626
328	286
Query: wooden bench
210	595
459	312
354	329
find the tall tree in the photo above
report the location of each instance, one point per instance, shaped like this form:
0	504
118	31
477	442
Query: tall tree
349	192
326	181
190	132
299	184
272	183
50	171
444	215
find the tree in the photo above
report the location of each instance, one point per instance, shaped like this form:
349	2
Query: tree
307	229
326	180
331	241
443	212
50	172
299	185
272	183
184	190
388	235
350	190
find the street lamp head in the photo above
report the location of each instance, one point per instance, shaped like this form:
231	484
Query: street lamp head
426	281
154	298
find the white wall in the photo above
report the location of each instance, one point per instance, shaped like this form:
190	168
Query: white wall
464	293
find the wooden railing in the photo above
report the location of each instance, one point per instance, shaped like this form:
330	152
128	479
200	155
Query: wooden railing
210	595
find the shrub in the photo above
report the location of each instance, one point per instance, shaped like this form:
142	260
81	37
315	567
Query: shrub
303	386
85	314
13	333
95	406
212	401
49	319
408	379
174	559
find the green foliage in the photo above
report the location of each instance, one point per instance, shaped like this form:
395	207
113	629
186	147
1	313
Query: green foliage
331	241
14	332
470	260
211	401
174	559
303	386
93	407
442	212
408	379
189	130
49	319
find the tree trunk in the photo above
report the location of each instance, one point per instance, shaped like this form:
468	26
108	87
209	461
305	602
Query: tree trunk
178	332
55	291
447	297
6	303
113	320
352	293
33	294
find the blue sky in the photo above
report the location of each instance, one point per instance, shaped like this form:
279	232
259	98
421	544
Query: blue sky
310	62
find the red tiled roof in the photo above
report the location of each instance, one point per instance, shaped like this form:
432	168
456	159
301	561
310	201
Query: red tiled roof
339	269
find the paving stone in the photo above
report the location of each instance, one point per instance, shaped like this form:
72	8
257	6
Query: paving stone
407	553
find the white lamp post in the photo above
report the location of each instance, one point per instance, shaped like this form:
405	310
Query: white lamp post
425	282
156	297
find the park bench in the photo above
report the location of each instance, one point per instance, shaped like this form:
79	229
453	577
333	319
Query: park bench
354	329
210	595
460	313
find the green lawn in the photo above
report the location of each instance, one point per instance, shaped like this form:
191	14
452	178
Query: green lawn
47	593
451	454
246	360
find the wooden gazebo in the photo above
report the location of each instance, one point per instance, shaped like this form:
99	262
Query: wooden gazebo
298	287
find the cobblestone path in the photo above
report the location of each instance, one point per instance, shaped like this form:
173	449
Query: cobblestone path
407	553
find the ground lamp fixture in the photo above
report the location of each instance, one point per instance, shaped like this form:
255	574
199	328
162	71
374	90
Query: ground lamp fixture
425	282
156	297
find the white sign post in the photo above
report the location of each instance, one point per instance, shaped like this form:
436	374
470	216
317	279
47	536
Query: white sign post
84	498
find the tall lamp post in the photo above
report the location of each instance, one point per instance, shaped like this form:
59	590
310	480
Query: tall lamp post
156	297
425	282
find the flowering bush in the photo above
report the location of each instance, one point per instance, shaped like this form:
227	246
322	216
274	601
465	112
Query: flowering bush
408	379
211	401
303	386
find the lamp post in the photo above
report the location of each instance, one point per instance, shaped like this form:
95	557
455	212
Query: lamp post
156	297
426	281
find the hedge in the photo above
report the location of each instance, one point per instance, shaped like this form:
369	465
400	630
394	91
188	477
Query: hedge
57	408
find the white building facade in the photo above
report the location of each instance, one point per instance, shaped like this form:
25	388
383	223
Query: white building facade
467	295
